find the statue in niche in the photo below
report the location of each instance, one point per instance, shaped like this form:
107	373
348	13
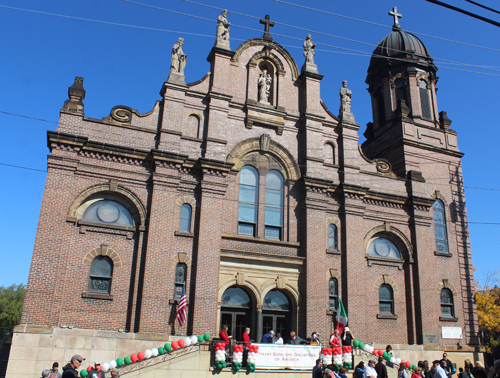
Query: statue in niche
222	30
179	59
265	81
309	50
345	98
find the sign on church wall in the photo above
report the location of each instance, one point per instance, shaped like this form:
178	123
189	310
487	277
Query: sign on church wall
273	356
451	332
431	339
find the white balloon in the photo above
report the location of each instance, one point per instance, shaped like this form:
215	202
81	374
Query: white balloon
155	352
148	353
105	367
393	360
112	364
398	361
194	340
187	341
366	347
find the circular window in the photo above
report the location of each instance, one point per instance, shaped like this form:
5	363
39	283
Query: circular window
108	212
384	248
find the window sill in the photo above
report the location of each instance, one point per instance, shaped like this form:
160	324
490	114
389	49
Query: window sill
104	225
333	251
91	295
259	240
176	302
387	316
444	254
448	319
185	234
331	312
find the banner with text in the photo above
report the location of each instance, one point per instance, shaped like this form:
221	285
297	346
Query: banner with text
275	356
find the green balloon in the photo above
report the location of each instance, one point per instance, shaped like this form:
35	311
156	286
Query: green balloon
168	347
206	336
127	360
200	339
355	343
361	345
119	361
83	373
161	350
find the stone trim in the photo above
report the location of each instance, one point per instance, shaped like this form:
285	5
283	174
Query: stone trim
115	192
385	279
185	199
103	250
333	273
181	257
437	195
333	220
445	284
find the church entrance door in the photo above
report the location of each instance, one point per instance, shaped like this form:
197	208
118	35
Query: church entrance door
276	314
236	311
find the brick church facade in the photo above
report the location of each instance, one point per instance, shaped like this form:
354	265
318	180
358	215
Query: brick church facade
266	207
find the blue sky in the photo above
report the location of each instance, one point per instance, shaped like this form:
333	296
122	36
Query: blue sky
41	54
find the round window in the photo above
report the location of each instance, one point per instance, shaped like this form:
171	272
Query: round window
384	248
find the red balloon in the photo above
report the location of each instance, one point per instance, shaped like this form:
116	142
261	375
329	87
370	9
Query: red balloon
133	358
89	369
380	353
181	343
140	356
407	364
174	345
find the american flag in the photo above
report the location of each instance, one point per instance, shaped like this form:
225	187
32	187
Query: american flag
181	308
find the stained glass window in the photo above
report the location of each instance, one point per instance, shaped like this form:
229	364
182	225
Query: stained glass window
101	273
185	218
386	299
384	248
108	212
440	227
276	300
447	308
236	297
274	205
248	201
333	294
180	279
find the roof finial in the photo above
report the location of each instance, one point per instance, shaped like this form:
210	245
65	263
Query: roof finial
268	23
396	15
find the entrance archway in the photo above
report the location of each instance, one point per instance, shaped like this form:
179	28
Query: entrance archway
277	313
236	311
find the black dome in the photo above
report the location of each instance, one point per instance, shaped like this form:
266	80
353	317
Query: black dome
400	48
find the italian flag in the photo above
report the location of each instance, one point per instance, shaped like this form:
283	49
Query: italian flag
341	321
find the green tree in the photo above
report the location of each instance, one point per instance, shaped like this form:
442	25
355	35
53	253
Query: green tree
488	311
11	306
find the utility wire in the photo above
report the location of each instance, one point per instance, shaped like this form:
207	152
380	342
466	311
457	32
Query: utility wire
489	21
332	35
385	26
483	6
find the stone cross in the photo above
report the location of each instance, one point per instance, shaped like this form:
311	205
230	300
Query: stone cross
396	15
268	23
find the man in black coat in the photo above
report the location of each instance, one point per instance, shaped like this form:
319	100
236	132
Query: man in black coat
317	370
381	369
70	369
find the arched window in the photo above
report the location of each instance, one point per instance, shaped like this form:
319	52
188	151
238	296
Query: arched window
180	279
333	294
386	299
101	273
193	126
274	205
185	225
424	100
440	227
332	237
400	85
248	201
277	301
447	308
329	153
108	212
383	248
380	107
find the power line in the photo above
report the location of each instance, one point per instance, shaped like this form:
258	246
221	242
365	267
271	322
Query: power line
385	26
483	6
489	21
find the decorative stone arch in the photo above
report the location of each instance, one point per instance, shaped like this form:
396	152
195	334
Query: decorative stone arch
385	279
289	166
280	284
437	195
445	284
424	78
333	220
103	250
399	75
185	199
250	287
111	191
270	57
396	236
269	45
333	273
182	258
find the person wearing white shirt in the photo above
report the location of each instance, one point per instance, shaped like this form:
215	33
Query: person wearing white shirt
439	371
277	339
370	370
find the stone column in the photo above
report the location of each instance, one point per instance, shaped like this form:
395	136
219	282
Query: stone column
259	323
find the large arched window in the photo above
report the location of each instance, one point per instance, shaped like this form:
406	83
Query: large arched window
248	201
180	279
185	225
401	94
277	301
380	107
108	212
101	273
424	100
333	294
383	248
332	237
440	227
274	205
447	307
386	299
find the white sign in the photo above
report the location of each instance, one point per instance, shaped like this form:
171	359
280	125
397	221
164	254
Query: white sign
451	332
275	356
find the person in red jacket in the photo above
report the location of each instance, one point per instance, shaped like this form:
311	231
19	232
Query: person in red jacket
335	339
223	335
246	337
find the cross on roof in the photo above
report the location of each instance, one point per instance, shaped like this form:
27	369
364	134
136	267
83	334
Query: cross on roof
396	15
268	23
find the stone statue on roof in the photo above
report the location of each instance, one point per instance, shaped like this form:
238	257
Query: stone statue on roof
222	40
179	59
309	50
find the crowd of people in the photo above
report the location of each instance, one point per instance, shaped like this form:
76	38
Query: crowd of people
70	369
269	337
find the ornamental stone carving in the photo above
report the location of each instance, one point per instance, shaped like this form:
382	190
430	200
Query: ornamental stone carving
222	40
